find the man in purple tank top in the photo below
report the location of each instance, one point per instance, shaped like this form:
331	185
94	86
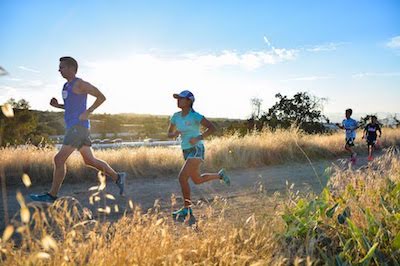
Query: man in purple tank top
77	134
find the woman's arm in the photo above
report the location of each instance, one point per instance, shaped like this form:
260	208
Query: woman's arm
172	132
210	129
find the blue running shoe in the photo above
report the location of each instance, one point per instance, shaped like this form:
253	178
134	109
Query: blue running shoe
46	197
224	177
182	213
121	182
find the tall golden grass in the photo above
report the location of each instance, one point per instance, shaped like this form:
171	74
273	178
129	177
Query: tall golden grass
258	149
64	234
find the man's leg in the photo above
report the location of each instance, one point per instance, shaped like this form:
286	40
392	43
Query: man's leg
91	160
60	168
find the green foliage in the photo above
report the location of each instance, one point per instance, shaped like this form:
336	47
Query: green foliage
21	104
365	120
106	123
20	128
303	110
31	126
371	238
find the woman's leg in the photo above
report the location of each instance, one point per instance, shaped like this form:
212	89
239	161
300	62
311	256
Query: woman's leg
191	169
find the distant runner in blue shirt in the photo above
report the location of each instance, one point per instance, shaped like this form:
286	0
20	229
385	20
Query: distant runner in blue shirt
77	134
350	125
187	124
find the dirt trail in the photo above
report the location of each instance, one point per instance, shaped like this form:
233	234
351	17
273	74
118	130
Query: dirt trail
145	191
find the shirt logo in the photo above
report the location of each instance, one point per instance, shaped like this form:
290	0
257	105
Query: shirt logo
65	94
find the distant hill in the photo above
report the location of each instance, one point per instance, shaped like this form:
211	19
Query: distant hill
126	125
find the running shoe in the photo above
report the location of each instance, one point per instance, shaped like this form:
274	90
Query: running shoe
46	197
182	213
224	177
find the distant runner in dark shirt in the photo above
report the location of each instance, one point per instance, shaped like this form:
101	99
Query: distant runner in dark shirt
370	134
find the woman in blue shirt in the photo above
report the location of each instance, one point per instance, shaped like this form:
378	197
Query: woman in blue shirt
186	124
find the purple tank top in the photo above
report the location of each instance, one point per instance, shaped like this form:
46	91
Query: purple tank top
74	105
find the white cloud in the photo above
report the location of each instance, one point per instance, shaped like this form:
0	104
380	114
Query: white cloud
144	83
311	78
394	43
32	83
376	74
28	69
7	92
332	46
36	92
151	67
249	60
14	79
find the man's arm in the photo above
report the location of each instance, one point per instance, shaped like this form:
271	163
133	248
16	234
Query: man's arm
85	87
54	103
339	126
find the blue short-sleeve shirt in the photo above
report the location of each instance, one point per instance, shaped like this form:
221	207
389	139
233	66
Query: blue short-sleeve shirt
189	126
350	125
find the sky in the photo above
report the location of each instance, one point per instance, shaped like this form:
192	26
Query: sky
138	53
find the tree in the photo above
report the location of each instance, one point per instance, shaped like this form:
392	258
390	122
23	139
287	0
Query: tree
21	104
256	107
396	120
303	110
106	123
364	121
20	128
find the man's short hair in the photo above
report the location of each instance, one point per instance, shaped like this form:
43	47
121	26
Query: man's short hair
350	111
70	62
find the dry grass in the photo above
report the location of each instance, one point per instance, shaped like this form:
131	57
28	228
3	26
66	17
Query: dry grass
64	234
265	148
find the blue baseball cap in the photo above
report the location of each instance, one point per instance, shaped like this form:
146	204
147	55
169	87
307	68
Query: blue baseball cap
184	94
